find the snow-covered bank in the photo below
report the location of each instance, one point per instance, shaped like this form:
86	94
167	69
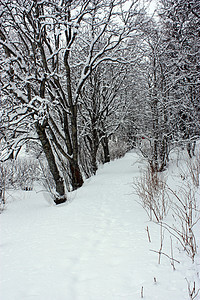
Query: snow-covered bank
94	248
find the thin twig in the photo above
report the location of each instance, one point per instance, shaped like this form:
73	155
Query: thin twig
165	255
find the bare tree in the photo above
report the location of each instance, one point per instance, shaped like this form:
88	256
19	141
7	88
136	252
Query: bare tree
154	114
49	49
102	109
180	21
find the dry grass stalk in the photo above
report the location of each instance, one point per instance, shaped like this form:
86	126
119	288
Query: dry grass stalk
151	189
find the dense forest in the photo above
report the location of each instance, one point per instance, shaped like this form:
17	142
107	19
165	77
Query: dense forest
84	81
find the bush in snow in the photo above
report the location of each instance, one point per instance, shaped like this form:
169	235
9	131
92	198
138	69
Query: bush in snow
151	189
158	198
185	214
118	148
17	174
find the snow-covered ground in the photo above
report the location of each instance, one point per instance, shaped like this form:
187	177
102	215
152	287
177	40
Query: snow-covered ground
95	247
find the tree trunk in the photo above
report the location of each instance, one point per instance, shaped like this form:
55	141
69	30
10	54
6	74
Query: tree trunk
94	145
60	189
76	176
94	161
106	149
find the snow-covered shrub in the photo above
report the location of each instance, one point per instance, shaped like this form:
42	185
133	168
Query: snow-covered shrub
25	173
159	198
20	173
118	148
151	189
186	215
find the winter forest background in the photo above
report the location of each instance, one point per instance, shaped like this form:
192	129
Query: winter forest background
84	83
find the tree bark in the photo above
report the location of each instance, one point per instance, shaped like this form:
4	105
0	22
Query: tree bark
76	176
106	149
60	189
94	144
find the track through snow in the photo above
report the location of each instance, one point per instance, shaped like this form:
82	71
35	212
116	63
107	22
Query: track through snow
94	248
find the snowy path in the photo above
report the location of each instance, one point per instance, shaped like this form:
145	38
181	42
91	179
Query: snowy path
94	248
